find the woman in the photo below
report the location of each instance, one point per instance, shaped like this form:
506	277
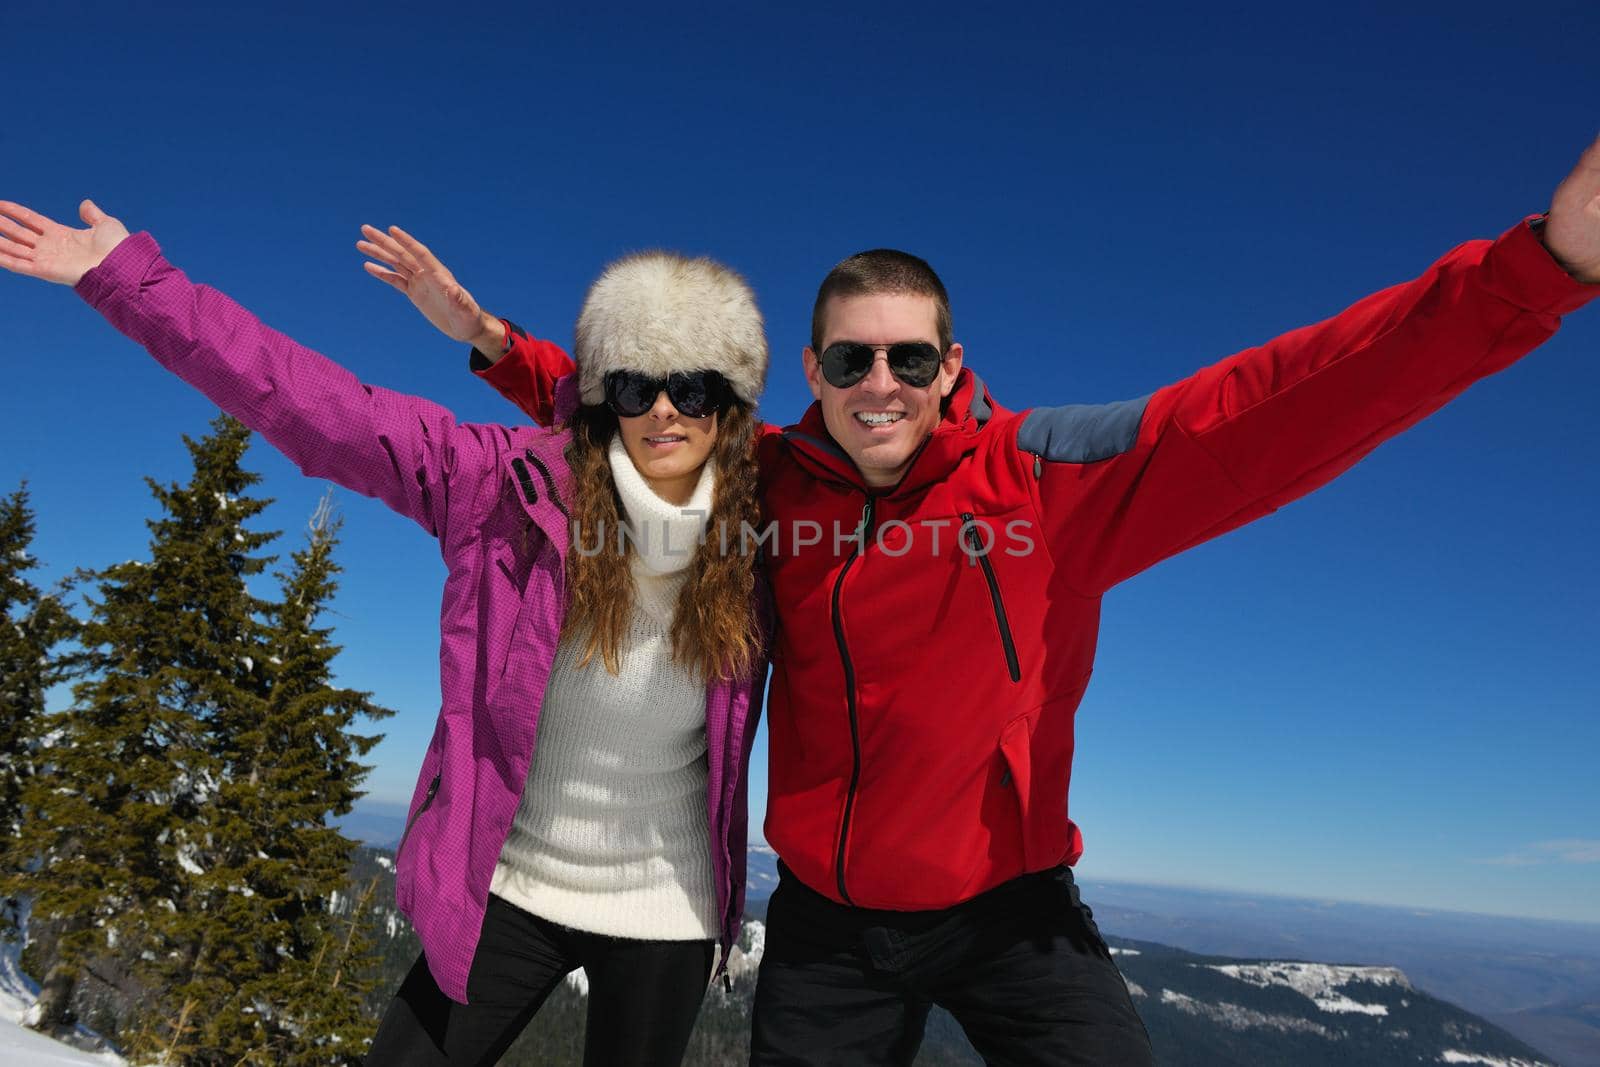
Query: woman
617	843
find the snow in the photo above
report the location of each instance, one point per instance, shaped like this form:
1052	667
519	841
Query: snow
386	863
1236	1017
742	961
1455	1056
579	980
1115	951
186	860
21	1047
1318	982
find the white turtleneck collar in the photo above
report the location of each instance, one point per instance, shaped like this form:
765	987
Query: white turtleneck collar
665	536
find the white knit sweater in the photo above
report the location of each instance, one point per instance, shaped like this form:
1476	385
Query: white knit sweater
611	835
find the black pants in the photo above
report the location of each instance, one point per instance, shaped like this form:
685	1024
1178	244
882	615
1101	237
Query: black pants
643	996
1022	968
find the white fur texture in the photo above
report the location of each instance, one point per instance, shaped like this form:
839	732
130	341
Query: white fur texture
659	312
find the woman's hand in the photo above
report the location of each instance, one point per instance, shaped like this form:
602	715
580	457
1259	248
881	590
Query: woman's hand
417	272
43	248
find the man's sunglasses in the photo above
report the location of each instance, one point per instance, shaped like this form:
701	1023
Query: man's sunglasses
916	363
695	394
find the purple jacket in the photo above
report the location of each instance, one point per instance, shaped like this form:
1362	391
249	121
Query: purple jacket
496	499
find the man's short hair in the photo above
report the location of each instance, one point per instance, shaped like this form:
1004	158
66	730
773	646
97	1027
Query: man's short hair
882	270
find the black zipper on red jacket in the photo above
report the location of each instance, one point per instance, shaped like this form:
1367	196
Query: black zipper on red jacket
994	597
850	693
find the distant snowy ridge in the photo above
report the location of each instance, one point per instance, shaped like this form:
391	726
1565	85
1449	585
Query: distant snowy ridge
1235	1017
1318	982
1452	1056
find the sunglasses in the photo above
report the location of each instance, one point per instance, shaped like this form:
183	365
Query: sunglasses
695	394
916	363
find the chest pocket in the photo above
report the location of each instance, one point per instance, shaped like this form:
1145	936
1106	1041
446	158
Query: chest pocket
979	541
982	559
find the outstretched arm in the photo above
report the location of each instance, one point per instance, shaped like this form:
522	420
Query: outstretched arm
1122	486
398	448
523	369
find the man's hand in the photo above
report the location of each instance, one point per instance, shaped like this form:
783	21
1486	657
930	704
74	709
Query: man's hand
1572	230
43	248
417	272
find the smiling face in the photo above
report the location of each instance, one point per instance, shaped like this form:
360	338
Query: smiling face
881	421
668	448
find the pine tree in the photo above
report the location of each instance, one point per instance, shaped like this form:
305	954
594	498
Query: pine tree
289	965
120	809
32	624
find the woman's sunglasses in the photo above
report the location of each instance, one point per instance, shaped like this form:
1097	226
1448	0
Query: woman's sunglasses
695	394
916	363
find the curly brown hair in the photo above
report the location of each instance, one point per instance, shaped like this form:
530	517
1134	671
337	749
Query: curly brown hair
714	630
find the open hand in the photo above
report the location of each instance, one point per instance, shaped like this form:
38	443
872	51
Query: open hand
39	247
1572	229
410	267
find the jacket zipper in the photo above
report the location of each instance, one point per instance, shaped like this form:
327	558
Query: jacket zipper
549	483
433	788
971	535
850	695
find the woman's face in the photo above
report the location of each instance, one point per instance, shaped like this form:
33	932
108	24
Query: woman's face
668	448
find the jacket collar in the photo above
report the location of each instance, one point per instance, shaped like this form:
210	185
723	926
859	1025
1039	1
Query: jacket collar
566	398
967	410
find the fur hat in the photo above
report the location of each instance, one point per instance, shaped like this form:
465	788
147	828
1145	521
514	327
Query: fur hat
659	312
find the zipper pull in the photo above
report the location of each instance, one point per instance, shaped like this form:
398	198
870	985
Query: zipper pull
1038	466
864	531
969	534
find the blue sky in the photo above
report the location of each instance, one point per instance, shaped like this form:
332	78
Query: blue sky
1385	692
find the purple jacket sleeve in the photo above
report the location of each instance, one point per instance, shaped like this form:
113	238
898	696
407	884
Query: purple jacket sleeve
401	449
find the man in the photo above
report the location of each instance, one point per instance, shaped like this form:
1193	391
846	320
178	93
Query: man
937	564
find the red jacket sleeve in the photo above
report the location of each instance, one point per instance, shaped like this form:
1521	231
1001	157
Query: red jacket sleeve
1123	486
527	373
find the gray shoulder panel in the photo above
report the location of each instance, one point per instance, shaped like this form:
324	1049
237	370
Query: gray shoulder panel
979	407
1082	433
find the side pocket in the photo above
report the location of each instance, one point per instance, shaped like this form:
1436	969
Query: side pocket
513	566
1015	745
427	801
1041	810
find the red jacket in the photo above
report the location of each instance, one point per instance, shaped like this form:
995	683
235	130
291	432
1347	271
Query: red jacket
923	693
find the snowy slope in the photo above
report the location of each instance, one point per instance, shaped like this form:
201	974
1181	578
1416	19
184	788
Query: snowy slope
21	1047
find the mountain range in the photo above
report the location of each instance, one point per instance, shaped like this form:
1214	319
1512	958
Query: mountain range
1202	1010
